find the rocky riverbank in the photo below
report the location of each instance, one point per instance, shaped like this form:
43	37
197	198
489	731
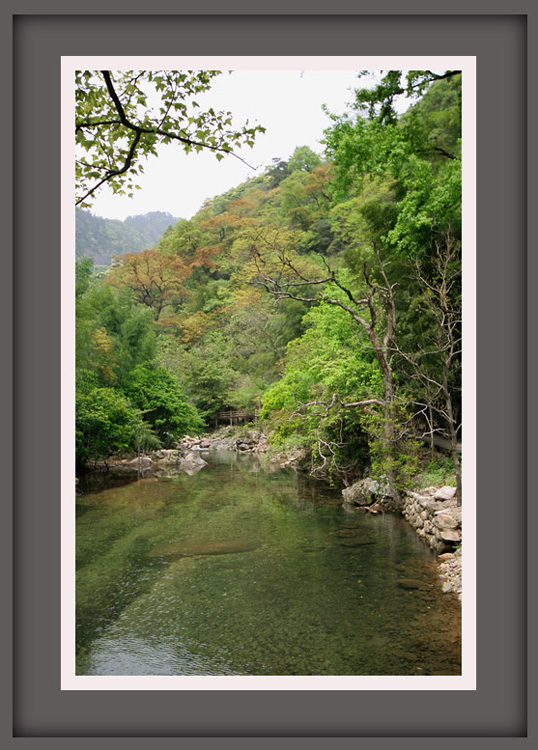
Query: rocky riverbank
227	439
160	463
433	513
187	455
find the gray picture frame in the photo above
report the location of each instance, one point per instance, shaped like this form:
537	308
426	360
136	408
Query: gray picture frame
33	707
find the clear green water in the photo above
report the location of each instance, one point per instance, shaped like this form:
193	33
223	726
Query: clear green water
246	570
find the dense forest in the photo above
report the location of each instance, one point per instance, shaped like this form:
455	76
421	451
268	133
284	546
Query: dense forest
323	297
103	239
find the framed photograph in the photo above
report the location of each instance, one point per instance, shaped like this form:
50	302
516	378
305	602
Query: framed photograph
99	695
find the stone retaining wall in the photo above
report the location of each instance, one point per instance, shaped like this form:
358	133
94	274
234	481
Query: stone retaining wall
435	517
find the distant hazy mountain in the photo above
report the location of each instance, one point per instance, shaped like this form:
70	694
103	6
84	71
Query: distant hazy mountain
102	239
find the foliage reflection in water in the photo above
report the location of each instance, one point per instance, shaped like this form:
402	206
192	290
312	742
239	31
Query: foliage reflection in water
244	569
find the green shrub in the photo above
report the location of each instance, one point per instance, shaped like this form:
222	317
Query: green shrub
158	395
105	422
438	472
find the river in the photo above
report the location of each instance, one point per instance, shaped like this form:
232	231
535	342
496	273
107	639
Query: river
249	569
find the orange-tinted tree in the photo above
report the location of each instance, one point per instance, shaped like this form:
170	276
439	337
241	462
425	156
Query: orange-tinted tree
155	279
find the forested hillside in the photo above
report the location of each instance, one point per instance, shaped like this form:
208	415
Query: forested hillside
102	239
323	294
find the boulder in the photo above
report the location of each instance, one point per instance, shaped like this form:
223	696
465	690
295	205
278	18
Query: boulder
144	462
191	463
450	535
445	521
360	493
445	493
226	444
366	491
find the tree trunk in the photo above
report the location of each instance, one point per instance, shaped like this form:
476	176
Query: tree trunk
388	433
454	446
389	436
432	444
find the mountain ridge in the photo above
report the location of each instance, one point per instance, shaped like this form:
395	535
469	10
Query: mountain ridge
102	239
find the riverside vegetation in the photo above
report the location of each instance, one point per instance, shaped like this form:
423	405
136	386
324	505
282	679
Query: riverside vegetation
322	298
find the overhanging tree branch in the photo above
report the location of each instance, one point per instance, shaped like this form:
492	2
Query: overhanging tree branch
208	130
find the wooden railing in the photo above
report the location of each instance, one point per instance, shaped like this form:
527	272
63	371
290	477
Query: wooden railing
237	415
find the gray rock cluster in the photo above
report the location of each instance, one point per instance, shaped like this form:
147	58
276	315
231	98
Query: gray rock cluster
187	456
450	572
434	514
253	442
249	441
436	518
161	463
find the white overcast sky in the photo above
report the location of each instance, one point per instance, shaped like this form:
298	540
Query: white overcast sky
286	103
284	94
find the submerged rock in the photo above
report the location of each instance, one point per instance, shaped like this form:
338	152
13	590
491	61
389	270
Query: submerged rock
354	541
411	583
190	549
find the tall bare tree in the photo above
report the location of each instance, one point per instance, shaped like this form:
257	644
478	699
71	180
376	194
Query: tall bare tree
372	307
436	366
